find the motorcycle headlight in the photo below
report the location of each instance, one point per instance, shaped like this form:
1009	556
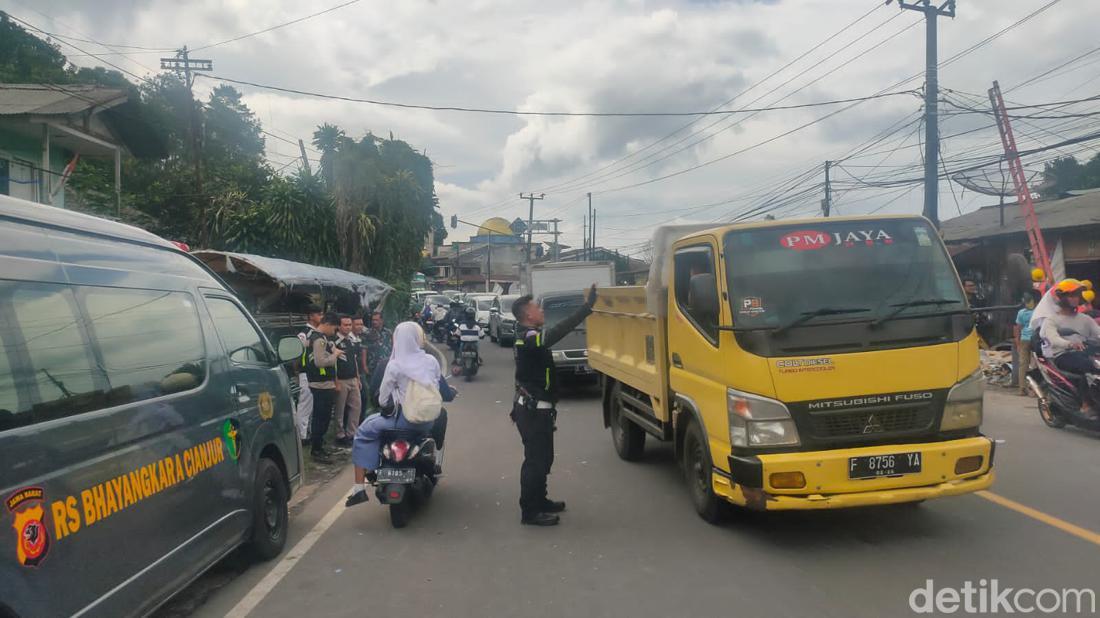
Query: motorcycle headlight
758	421
963	408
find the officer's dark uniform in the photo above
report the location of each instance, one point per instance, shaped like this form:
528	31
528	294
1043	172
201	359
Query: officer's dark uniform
323	398
533	410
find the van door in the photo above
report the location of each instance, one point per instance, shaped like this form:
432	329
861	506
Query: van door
257	382
697	368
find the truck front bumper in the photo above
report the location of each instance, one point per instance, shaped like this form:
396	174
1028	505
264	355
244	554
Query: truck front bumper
827	486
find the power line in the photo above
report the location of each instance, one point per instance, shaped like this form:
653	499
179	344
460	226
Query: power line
275	27
719	106
515	112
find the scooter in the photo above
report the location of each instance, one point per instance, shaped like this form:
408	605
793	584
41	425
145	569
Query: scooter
408	472
1057	389
467	360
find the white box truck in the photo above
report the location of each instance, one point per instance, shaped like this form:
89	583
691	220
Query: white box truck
569	277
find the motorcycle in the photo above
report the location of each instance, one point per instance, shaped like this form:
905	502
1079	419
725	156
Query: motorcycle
1058	391
408	472
467	360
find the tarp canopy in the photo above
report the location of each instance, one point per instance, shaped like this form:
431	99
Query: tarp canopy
267	280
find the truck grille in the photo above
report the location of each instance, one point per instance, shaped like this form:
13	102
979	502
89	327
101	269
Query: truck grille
869	422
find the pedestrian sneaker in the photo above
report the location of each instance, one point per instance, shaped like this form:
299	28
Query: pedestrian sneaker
540	519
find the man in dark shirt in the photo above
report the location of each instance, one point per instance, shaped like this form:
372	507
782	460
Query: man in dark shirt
321	358
536	395
348	396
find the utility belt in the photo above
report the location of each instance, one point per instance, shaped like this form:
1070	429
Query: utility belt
533	403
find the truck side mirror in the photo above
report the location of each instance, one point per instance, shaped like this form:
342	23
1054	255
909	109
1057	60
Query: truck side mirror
703	298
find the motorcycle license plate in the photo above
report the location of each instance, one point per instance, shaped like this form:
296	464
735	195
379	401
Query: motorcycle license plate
469	354
396	475
875	466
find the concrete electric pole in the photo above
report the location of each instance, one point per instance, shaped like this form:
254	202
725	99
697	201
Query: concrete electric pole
931	96
827	203
530	197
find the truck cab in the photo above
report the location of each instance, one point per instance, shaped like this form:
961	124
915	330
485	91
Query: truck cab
806	365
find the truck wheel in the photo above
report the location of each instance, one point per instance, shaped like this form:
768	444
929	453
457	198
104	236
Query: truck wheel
269	512
629	438
698	472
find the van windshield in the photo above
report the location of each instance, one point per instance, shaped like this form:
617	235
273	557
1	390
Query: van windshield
826	272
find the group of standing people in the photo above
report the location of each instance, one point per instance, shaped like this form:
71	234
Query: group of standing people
341	353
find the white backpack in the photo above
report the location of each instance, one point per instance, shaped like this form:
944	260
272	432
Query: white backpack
422	403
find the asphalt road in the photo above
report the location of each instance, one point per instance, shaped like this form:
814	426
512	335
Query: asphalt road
631	545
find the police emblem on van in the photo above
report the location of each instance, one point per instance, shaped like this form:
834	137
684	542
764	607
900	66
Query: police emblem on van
231	434
266	404
32	540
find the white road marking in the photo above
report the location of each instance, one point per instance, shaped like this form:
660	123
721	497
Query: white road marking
268	583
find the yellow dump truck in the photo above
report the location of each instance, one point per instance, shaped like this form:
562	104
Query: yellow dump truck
813	364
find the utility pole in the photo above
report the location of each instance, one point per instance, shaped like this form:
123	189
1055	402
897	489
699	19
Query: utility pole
584	245
592	233
305	159
827	203
931	96
557	247
588	233
186	67
530	197
1019	181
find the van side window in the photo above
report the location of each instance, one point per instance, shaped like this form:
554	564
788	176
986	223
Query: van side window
150	340
46	367
697	263
243	342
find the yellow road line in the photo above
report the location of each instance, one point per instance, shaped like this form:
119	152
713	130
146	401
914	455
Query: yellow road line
1038	515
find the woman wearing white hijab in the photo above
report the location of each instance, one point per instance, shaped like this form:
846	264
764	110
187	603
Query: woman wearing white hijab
408	361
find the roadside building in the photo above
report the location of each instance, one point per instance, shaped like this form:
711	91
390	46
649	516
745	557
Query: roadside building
990	245
45	129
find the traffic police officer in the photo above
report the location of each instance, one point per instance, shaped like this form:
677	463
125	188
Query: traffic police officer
533	410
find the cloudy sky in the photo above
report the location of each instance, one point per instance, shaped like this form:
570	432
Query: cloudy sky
631	56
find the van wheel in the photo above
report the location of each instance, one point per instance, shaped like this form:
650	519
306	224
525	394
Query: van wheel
698	472
269	511
628	437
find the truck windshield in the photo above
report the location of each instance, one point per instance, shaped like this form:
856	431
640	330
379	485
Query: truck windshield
558	308
877	269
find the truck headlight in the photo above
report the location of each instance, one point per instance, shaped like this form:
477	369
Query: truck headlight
758	421
963	408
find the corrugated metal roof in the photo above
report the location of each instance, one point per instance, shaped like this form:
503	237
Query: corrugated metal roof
1074	211
50	100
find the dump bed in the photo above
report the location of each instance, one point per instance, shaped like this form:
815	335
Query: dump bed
626	342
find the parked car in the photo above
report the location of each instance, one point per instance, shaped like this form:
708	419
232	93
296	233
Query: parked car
146	422
502	325
482	302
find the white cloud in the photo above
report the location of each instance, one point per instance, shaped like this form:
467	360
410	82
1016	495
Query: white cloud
638	55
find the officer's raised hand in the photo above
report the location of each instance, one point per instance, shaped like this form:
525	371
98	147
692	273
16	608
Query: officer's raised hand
590	297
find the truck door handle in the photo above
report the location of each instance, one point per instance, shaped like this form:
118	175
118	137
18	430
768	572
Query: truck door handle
676	362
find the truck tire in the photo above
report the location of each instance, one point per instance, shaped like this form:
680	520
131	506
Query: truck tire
698	473
269	511
628	438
